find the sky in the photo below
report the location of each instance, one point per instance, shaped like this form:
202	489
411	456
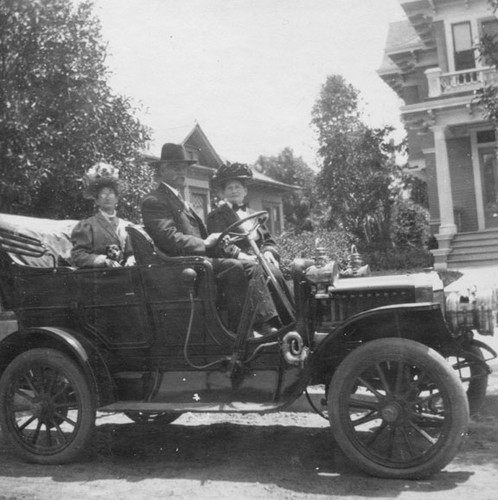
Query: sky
248	71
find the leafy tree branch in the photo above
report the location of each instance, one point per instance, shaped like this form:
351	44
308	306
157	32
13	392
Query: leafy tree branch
58	114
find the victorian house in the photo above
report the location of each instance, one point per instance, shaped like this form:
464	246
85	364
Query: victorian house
430	61
264	193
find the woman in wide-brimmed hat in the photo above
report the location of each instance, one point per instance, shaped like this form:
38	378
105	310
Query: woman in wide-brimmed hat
102	240
231	181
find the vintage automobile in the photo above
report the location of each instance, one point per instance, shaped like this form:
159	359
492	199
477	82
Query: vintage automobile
150	341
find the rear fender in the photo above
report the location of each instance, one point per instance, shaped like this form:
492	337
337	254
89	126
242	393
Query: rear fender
422	322
80	349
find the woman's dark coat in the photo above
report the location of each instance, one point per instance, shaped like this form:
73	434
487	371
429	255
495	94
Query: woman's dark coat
223	216
91	236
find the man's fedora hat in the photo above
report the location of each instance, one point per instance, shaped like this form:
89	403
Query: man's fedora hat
172	153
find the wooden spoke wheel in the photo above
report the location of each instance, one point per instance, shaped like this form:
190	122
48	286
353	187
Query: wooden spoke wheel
47	408
397	409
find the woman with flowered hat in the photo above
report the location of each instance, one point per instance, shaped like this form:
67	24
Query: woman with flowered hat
102	240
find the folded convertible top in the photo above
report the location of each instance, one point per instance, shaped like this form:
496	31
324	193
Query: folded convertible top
36	242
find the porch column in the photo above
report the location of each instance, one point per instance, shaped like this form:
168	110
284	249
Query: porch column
433	75
447	227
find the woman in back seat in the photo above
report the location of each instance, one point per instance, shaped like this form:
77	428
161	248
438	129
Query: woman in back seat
102	240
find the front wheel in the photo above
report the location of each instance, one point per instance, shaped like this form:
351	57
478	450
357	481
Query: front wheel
397	409
47	408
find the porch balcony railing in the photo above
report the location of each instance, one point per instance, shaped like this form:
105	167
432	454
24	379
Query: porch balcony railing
443	84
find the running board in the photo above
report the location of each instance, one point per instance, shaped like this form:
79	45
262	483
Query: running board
231	407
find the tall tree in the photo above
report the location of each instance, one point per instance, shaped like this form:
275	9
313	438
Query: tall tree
58	114
357	164
487	50
288	169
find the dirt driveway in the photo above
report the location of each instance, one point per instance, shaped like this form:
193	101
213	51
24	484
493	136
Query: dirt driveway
282	456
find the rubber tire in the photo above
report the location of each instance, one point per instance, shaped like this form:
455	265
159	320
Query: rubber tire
85	403
155	418
478	385
456	412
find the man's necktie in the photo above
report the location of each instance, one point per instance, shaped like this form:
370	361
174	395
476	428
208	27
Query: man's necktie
236	207
182	199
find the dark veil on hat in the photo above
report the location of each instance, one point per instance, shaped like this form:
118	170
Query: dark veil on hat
99	176
230	172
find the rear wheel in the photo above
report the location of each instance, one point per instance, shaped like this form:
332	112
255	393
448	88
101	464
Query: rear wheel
47	408
152	417
397	409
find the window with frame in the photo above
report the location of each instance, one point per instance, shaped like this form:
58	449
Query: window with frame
192	154
274	222
463	48
199	202
485	136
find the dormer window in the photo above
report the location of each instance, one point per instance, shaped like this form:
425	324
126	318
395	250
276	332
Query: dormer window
192	154
463	46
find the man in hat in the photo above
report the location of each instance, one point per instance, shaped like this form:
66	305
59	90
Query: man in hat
177	230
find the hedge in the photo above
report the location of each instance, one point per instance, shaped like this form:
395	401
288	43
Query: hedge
398	259
338	247
292	245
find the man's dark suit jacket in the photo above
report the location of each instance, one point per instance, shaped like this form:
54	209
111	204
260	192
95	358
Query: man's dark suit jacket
178	231
175	229
223	216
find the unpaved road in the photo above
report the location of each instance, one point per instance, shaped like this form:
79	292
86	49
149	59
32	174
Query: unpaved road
281	456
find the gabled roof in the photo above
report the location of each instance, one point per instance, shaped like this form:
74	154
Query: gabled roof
198	140
179	133
193	136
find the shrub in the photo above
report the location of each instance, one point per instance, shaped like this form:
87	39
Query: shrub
337	246
410	225
294	245
398	259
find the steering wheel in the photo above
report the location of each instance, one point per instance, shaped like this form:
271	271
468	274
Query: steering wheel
260	218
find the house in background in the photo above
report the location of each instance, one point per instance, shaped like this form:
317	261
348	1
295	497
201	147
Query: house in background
264	193
431	63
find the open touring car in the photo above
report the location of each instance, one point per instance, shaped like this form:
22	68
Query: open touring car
150	341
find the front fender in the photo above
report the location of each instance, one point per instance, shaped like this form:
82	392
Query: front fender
422	322
84	352
485	347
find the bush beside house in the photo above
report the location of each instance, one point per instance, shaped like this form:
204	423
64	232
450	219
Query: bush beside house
338	246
